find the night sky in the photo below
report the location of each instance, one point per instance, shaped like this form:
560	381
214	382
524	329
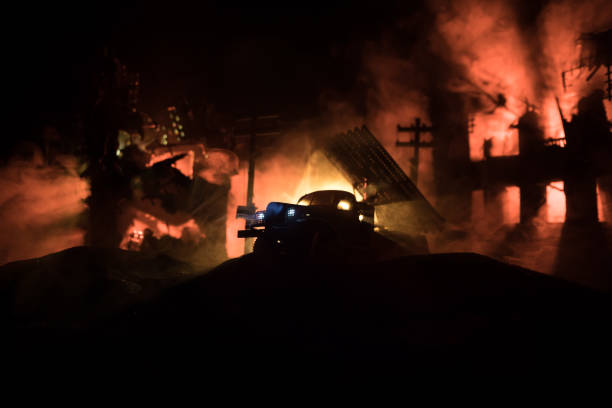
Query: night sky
244	60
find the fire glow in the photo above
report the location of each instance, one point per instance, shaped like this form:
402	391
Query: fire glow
184	165
142	222
555	202
499	56
281	180
503	69
41	206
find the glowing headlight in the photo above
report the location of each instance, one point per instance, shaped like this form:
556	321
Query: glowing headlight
260	216
291	212
344	205
361	217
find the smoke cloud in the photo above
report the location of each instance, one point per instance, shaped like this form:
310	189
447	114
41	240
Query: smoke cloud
40	206
503	57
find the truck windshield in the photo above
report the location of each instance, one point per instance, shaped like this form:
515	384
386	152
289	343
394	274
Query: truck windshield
322	198
327	198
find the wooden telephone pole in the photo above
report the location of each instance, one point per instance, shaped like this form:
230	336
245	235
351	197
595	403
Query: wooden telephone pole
417	128
256	128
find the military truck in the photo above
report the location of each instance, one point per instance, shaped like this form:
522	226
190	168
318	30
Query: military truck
322	224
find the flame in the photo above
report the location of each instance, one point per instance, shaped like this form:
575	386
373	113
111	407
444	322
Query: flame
501	54
497	128
321	174
143	221
281	178
504	66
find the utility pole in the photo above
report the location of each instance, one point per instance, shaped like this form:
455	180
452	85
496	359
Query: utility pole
417	128
251	181
260	126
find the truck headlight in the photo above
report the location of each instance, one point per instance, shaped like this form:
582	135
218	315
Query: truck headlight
344	205
290	212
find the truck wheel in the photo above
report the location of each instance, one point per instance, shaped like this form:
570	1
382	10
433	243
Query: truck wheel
321	245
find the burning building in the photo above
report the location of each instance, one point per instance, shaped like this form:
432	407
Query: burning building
501	159
509	168
460	95
178	203
156	186
487	130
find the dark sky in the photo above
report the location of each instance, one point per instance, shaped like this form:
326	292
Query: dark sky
245	60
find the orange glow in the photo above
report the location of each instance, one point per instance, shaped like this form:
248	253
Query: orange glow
282	178
40	207
608	106
237	196
555	202
143	221
512	205
344	205
478	207
184	165
496	61
398	105
494	126
601	213
218	165
499	57
320	174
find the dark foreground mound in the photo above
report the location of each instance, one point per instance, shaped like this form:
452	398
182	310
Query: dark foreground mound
417	308
82	288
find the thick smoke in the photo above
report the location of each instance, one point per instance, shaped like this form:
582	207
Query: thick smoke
40	206
503	57
285	170
500	56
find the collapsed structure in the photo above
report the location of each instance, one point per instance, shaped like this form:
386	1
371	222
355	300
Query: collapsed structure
377	177
155	186
171	180
581	158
